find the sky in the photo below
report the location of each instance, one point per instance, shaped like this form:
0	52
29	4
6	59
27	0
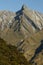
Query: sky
15	5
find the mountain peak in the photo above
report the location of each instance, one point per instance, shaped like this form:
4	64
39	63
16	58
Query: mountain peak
24	7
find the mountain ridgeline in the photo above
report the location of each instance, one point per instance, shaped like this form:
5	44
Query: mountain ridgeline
24	29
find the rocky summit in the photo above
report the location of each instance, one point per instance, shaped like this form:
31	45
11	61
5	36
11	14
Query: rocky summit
24	29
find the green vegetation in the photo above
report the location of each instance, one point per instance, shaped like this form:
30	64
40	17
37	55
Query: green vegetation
10	56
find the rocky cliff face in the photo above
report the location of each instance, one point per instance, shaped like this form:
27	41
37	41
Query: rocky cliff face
25	18
24	29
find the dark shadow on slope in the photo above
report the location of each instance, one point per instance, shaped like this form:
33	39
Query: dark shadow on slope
17	25
38	50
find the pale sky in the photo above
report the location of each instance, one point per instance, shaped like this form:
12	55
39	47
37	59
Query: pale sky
15	5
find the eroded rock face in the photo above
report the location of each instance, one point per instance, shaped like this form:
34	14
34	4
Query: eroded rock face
6	19
24	29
